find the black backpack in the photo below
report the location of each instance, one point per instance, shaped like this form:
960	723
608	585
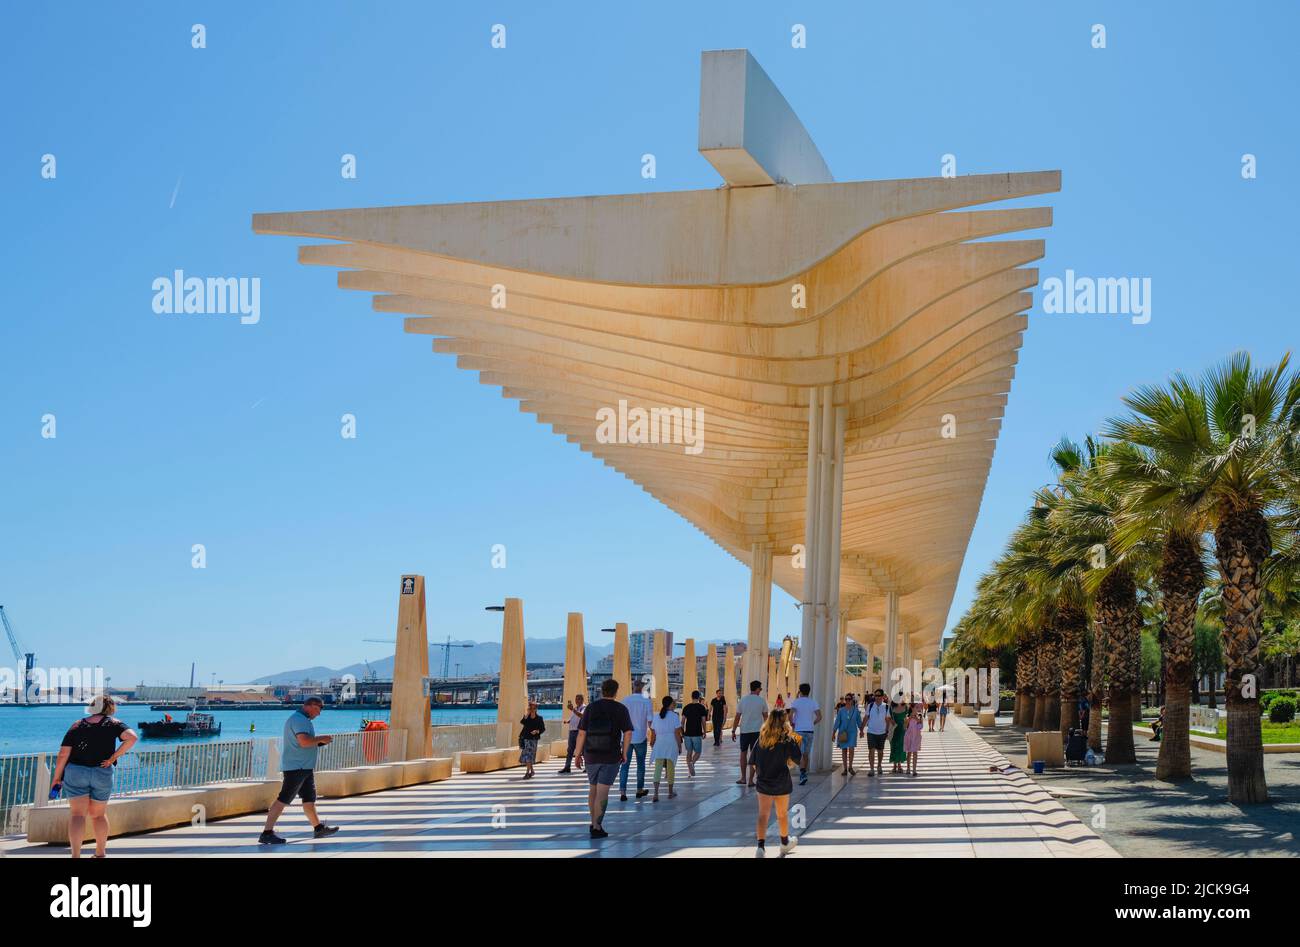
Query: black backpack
602	728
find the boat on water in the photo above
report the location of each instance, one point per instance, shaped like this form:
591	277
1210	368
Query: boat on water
194	725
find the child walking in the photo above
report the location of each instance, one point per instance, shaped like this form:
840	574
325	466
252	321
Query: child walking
912	739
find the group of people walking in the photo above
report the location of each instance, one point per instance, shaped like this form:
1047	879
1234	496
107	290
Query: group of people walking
605	737
92	747
899	723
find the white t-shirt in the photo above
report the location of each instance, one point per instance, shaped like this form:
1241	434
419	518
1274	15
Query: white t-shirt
665	729
575	716
877	718
803	711
640	710
751	710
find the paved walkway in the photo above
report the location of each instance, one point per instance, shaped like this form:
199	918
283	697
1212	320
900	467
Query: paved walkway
955	807
1145	817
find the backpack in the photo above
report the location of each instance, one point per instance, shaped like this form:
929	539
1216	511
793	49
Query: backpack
601	729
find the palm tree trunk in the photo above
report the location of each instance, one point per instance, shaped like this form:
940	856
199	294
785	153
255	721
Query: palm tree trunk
1053	718
1050	681
1072	623
1181	577
1242	544
1175	759
1042	671
1097	686
1022	686
1117	609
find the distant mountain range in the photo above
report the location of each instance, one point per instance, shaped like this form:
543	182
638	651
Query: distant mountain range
482	657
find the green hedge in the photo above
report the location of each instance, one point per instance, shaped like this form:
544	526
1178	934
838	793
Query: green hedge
1266	699
1282	710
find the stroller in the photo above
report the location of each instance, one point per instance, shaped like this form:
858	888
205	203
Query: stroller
1076	747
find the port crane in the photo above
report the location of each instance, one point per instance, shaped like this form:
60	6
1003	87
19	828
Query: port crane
446	651
26	660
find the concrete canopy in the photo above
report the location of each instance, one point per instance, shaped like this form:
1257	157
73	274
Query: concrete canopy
688	300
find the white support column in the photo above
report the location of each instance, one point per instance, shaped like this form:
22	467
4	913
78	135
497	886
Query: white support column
808	607
825	514
828	634
891	643
760	615
907	663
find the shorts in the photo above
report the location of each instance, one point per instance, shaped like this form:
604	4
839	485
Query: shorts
875	741
805	742
747	741
298	782
693	744
93	781
602	774
932	714
670	765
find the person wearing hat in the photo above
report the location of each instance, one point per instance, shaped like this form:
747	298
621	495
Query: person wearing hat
298	767
84	770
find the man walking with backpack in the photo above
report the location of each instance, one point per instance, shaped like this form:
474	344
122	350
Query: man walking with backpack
604	735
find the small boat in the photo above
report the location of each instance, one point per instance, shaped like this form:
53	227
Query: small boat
194	725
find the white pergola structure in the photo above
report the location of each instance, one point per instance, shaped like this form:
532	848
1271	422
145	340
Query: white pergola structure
826	364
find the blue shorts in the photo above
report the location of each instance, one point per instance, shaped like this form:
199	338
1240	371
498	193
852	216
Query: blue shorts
93	781
693	744
805	742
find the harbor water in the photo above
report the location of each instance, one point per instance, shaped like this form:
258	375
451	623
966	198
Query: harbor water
40	729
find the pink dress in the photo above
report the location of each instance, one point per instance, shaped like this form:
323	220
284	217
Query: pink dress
912	736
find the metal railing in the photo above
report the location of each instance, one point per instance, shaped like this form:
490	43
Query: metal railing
449	741
25	779
362	749
19	778
193	764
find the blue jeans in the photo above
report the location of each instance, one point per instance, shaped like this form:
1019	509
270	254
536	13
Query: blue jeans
805	745
637	750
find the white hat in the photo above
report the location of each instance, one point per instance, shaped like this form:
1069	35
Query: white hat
97	703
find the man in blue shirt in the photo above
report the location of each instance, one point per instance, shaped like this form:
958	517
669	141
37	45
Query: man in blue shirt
298	763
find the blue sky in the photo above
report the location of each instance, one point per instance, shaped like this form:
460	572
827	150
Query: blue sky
174	431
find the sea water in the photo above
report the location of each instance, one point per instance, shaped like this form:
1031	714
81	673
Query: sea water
40	728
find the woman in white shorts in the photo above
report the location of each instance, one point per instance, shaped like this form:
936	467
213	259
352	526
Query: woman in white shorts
666	737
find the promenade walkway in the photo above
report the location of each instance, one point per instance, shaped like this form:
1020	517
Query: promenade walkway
954	808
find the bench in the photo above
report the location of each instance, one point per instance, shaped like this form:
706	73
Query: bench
159	810
481	761
1044	745
358	780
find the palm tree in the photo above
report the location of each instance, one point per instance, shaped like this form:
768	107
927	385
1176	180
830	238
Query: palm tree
1087	523
1282	645
1145	468
1227	458
1097	684
1027	574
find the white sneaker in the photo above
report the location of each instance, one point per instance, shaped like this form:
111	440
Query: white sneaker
760	851
788	847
